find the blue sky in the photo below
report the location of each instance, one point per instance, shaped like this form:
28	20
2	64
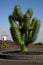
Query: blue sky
6	8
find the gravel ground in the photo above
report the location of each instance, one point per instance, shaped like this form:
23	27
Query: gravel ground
34	58
19	62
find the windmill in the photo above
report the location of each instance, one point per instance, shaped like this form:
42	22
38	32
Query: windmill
4	36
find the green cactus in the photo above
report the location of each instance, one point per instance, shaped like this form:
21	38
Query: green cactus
24	32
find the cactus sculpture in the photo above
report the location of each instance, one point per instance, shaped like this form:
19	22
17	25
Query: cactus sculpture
22	30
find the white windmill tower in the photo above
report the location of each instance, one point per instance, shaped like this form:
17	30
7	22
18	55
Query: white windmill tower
4	36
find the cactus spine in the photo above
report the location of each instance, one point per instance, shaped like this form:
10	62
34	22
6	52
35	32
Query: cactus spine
24	32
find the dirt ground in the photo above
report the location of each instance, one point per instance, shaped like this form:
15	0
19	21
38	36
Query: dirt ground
10	45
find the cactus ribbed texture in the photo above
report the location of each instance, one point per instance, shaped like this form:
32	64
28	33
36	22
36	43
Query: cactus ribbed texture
24	32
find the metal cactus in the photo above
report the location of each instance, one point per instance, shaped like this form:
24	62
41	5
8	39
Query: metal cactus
24	32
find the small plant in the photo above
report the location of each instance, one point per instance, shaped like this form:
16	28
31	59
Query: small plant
39	43
24	32
5	45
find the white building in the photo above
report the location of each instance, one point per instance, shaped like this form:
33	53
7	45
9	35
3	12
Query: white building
4	37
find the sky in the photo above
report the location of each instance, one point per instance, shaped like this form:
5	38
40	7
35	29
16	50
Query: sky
7	7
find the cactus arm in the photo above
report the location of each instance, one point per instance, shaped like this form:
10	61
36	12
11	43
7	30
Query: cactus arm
35	30
16	35
26	20
15	31
30	29
32	24
30	12
11	20
32	34
17	13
